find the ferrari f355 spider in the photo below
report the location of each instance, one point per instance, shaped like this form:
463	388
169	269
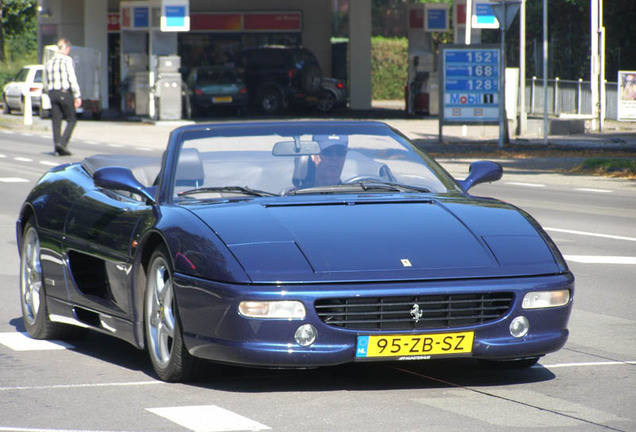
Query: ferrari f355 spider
288	244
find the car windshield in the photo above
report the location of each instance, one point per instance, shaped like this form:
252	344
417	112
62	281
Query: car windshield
22	75
290	159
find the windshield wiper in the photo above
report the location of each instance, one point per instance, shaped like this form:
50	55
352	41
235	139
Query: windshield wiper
237	189
368	185
398	187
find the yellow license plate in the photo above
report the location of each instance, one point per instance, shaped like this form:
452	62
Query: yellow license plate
414	345
222	99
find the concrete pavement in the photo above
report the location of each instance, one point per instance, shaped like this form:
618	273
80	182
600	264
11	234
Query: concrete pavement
425	130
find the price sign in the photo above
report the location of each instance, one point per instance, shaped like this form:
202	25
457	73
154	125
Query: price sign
470	84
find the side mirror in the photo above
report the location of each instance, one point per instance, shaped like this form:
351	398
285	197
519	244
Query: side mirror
120	178
481	172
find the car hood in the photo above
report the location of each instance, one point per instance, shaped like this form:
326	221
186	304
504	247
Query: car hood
381	239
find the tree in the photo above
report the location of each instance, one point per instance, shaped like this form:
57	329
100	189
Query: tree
18	28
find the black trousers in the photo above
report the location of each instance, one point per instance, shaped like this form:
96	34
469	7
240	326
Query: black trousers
62	108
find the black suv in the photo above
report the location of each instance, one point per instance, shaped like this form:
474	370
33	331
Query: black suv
278	77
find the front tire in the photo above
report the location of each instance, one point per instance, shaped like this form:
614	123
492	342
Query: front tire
170	359
32	293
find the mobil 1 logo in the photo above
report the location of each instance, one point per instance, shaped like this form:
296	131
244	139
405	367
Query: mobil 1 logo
470	83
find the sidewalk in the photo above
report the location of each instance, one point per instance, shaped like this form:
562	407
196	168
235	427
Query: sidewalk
423	130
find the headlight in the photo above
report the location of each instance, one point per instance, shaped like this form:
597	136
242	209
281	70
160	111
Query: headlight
545	299
285	309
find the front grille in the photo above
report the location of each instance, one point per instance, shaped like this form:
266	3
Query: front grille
414	313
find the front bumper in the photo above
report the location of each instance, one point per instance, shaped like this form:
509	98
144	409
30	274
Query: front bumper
213	329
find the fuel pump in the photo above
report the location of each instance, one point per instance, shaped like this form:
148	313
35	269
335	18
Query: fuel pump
421	90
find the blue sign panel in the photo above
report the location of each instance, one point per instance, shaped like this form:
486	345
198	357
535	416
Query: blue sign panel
141	17
483	16
471	84
175	16
436	19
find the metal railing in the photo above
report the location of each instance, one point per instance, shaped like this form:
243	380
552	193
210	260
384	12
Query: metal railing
568	97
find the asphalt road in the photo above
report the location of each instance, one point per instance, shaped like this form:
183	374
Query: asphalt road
103	384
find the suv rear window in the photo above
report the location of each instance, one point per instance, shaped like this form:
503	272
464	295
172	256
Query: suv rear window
267	57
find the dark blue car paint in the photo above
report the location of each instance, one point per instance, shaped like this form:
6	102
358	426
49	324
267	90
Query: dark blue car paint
215	250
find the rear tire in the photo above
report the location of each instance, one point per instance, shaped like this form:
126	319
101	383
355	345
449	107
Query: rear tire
311	79
326	102
271	101
5	106
170	358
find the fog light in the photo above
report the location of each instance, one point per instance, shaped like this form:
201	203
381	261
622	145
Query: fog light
545	299
272	309
306	335
519	326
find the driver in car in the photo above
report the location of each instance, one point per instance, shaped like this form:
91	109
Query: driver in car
328	164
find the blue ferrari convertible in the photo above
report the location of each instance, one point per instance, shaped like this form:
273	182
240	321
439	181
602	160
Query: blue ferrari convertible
288	244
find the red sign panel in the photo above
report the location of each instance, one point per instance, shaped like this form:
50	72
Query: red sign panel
461	14
125	17
416	18
283	21
215	21
113	22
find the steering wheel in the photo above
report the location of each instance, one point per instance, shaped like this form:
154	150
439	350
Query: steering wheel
363	177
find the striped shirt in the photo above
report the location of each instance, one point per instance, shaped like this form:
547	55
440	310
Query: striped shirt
60	75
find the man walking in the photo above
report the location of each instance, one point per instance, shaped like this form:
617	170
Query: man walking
64	92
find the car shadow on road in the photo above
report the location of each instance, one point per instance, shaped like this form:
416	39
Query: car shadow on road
446	373
105	348
362	376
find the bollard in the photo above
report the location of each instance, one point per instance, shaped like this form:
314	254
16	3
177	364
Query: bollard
27	109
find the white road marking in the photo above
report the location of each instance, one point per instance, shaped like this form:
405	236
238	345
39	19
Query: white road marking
115	145
208	418
76	386
23	159
23	429
586	364
610	236
2	156
49	163
591	259
91	142
22	342
535	185
594	190
12	180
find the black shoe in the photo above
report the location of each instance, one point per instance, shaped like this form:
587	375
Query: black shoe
62	151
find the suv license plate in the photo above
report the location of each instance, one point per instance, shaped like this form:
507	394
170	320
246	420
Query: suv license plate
222	99
414	345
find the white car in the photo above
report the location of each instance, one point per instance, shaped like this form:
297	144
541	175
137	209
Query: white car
29	77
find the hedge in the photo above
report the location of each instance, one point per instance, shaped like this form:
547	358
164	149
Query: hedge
389	61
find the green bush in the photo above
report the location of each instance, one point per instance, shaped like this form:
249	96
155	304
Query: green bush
7	72
389	61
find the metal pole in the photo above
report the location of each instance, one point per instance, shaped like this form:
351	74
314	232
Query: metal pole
594	64
545	71
522	70
502	90
601	30
469	21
